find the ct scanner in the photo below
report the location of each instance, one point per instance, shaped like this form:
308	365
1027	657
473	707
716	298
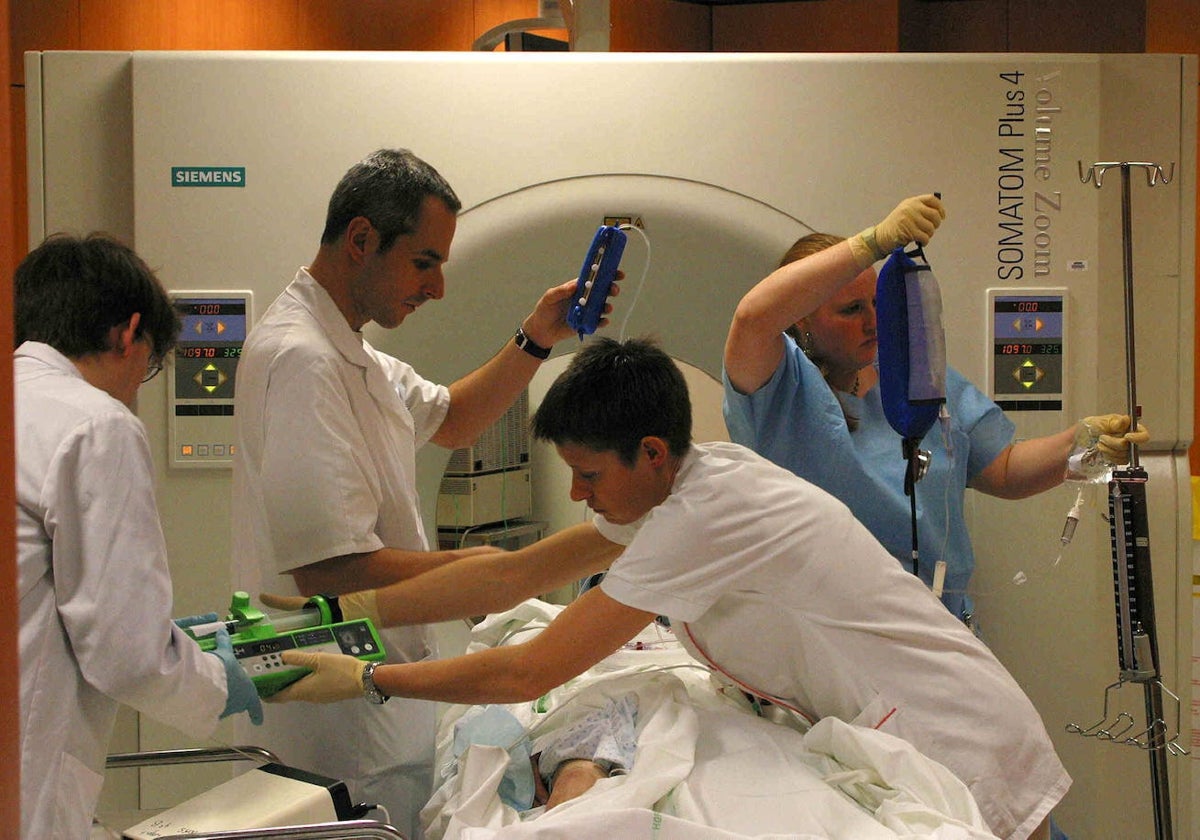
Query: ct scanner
723	160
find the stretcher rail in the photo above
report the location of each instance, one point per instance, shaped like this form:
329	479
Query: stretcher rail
344	830
199	755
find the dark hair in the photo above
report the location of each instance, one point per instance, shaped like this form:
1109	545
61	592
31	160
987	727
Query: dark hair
387	188
70	292
614	394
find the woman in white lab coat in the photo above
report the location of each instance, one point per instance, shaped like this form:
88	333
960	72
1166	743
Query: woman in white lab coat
92	323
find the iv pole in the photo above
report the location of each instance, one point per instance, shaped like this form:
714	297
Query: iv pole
1137	642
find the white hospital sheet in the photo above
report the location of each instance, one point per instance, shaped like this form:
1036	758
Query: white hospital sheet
706	766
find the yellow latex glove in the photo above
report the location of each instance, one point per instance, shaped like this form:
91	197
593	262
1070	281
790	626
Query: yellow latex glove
334	677
353	604
913	220
1110	434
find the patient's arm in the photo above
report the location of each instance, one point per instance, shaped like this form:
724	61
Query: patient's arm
601	743
574	778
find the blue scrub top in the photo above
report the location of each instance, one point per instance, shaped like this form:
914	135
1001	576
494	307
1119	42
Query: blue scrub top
796	421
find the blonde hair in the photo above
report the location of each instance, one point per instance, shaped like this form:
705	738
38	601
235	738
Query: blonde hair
806	246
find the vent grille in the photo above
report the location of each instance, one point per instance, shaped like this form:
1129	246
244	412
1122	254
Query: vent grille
503	446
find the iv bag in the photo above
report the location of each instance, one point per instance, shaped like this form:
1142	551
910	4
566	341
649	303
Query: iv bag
912	344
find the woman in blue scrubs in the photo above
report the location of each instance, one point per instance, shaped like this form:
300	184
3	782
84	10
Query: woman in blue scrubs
800	388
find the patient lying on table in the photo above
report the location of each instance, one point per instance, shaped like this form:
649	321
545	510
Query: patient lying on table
648	743
596	747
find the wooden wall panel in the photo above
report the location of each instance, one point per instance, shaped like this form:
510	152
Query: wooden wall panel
39	25
660	26
1087	26
979	26
385	25
825	26
1173	26
186	24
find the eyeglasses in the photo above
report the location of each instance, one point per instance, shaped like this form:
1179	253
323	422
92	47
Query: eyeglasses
153	367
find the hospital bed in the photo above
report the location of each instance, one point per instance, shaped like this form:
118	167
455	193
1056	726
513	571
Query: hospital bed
709	763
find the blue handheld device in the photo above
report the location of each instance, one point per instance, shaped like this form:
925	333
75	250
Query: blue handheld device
595	278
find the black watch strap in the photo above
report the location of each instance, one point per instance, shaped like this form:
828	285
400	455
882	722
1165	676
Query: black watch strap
529	346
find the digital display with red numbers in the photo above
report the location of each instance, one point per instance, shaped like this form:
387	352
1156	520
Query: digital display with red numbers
1028	349
198	351
201	380
1028	306
210	307
1027	343
210	346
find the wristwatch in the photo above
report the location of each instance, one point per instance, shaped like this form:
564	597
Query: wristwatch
530	346
371	692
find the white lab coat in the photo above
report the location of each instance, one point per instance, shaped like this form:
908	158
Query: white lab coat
328	430
95	594
790	595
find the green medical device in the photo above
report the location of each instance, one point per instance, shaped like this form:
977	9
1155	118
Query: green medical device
259	639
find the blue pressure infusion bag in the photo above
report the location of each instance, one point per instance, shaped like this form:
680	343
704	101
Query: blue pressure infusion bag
912	343
912	361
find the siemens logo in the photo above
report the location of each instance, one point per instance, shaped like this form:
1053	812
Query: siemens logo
208	176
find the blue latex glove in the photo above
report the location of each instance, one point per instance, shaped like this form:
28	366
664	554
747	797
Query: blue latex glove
243	696
193	620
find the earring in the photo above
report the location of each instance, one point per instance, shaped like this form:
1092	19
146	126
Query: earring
806	342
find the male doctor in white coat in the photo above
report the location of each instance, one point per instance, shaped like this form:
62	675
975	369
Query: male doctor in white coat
324	485
92	324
